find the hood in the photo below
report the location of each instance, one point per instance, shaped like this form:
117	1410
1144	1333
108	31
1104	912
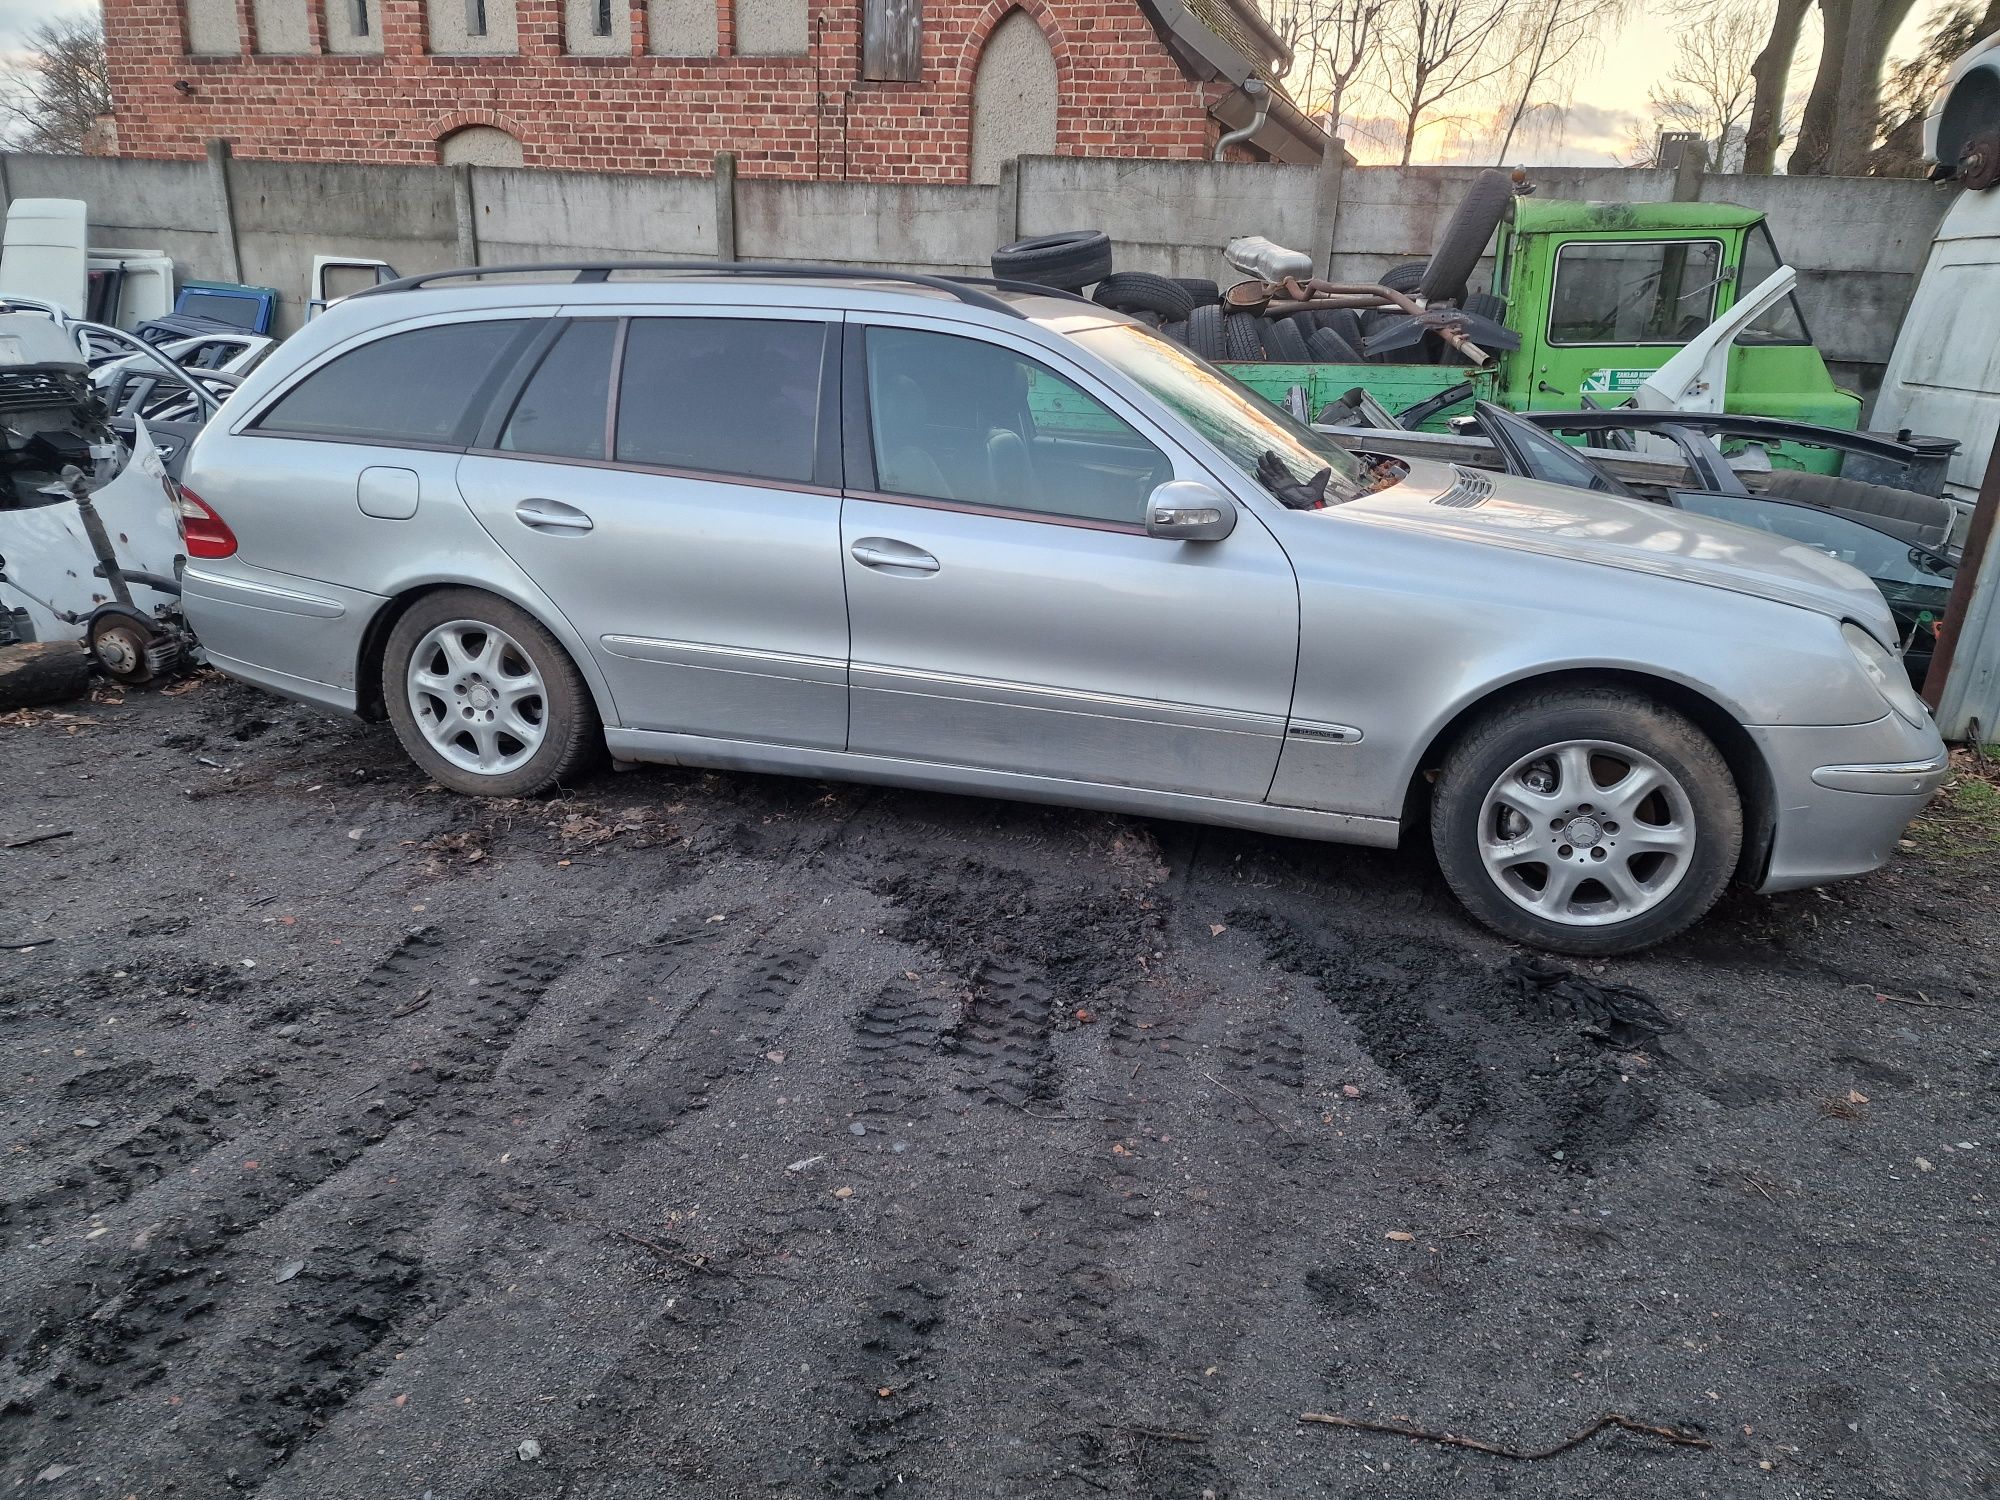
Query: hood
1527	515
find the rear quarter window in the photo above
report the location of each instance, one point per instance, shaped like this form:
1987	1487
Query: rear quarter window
428	386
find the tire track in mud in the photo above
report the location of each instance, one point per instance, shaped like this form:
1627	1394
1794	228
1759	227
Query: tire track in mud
1441	1025
124	1318
1051	1306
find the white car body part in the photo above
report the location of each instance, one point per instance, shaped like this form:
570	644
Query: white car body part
51	569
1697	377
44	253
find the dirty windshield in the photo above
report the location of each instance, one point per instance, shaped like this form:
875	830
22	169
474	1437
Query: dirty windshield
1238	421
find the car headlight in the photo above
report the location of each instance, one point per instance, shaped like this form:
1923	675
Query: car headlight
1885	670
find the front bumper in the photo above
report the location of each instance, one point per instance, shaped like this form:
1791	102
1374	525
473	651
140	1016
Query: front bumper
1844	794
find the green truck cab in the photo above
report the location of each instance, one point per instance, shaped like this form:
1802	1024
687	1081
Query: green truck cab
1603	294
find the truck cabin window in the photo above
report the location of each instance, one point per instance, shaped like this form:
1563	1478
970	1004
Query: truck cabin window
1634	291
1781	322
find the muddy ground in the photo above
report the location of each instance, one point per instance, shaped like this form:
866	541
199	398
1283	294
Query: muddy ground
727	1136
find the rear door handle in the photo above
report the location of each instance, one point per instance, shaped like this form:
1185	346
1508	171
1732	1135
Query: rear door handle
551	515
883	552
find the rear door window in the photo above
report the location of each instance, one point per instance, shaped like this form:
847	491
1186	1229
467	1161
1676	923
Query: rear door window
563	408
729	396
427	387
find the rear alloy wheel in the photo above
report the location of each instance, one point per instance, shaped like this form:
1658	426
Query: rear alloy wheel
1590	823
484	699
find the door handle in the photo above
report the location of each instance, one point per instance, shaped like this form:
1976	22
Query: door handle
881	552
551	515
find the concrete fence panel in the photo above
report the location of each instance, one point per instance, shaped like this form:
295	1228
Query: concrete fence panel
1170	217
288	212
522	215
134	205
907	227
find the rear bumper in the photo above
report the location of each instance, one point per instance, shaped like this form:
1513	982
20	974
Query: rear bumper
1844	795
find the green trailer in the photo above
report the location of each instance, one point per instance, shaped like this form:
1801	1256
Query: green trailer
1397	387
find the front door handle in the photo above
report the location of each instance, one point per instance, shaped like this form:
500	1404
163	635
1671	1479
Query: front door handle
551	515
901	557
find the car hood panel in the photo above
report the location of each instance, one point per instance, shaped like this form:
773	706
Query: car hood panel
1585	526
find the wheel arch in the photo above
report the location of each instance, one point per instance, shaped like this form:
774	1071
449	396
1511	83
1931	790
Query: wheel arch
369	700
1746	762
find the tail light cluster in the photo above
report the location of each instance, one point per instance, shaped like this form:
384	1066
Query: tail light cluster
204	532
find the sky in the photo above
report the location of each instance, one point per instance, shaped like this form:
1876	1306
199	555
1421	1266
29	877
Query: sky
1609	99
1607	103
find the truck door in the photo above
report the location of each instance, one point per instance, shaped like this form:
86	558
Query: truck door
1617	309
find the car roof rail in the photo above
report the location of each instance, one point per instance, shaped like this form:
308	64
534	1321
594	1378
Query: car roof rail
1032	288
593	271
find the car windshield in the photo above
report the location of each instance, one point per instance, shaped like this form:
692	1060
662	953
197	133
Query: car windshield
1919	573
1234	418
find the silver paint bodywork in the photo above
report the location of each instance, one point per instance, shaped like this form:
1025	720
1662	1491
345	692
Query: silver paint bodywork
1293	677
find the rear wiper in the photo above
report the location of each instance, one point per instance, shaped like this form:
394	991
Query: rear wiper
1292	493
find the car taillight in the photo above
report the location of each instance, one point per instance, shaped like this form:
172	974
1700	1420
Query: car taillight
206	533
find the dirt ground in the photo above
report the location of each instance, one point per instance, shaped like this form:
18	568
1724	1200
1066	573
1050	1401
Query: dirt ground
710	1135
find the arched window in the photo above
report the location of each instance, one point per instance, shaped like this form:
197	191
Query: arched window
1014	92
479	146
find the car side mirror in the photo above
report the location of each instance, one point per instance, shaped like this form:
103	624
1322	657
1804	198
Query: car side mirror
1186	510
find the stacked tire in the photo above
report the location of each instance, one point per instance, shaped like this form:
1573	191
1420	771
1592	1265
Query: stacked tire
1194	312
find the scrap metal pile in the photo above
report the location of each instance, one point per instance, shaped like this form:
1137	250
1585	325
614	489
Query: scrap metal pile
1418	313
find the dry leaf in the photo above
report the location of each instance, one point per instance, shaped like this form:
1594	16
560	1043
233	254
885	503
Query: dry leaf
1216	929
1350	1091
1855	1096
1401	1236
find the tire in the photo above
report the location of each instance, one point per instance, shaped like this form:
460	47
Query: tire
1205	331
37	672
1243	336
1908	514
1141	291
1403	278
1177	331
1486	305
1344	321
1465	235
1285	340
570	733
1504	753
1329	348
1203	291
1069	262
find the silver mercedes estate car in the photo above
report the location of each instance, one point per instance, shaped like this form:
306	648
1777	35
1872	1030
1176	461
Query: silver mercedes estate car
987	538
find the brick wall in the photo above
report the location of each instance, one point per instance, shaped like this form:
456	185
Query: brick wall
808	117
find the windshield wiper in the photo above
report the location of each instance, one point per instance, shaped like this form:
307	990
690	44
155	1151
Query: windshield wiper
1295	494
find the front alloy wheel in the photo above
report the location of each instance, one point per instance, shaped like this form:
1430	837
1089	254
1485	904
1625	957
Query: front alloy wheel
1590	821
1587	832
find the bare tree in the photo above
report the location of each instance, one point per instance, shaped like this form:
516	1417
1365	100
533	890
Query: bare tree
1435	51
1333	43
1552	38
50	101
1836	131
1711	86
1771	79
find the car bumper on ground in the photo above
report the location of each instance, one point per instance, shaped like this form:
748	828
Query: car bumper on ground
1844	795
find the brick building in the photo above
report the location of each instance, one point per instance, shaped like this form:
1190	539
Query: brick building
879	90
